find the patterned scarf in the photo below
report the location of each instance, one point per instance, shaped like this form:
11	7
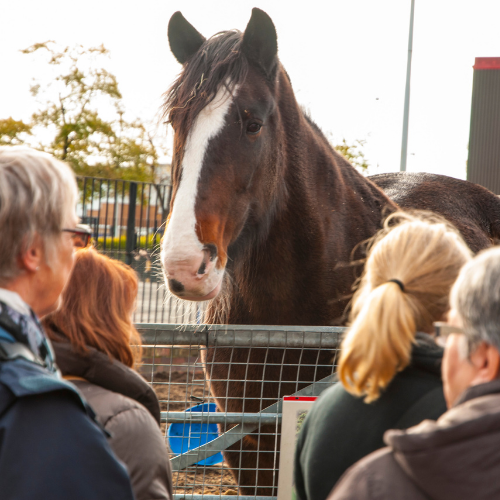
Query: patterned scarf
17	327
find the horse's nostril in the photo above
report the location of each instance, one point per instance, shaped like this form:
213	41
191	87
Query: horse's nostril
202	268
175	286
212	251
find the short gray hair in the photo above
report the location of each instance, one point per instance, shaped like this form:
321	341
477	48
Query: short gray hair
476	298
38	193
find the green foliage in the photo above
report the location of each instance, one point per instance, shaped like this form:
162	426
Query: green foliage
13	132
354	154
82	109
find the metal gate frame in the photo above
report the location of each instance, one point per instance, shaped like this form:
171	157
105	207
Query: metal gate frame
161	335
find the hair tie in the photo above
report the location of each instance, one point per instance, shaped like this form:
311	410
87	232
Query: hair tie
399	283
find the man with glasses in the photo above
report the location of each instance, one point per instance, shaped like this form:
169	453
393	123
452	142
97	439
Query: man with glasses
458	456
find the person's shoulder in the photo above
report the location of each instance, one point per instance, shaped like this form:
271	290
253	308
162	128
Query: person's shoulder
58	411
133	422
334	395
49	433
108	404
336	403
376	477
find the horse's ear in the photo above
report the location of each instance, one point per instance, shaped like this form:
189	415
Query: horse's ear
260	42
183	38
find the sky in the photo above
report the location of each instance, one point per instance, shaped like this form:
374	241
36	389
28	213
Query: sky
347	61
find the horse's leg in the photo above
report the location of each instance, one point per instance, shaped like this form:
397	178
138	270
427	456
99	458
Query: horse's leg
254	462
249	380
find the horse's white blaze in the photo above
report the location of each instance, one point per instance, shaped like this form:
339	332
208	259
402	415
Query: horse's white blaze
181	243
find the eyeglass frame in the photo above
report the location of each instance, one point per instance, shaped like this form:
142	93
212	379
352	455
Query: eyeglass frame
443	329
79	232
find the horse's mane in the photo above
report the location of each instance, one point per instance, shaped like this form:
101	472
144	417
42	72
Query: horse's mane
219	61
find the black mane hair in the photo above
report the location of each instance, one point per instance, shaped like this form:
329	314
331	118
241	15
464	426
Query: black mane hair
219	61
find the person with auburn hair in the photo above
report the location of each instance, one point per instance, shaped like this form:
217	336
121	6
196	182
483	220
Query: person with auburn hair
389	364
96	348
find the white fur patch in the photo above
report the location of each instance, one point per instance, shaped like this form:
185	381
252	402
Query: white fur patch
181	241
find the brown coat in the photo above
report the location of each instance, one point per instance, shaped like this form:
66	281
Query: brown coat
455	458
127	407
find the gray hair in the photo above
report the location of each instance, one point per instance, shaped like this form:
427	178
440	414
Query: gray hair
476	298
38	194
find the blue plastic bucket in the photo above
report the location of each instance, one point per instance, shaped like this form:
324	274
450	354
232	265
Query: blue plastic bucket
185	437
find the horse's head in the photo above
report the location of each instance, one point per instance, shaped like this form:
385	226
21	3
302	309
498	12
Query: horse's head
224	171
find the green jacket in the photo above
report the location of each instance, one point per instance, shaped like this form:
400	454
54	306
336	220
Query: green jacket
341	429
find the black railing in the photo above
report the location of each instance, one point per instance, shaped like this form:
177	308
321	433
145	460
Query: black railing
127	221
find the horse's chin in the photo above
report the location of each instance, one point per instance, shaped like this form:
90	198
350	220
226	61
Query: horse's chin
201	298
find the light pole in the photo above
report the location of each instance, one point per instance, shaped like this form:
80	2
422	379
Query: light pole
404	144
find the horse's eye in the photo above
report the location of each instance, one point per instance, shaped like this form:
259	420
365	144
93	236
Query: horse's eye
253	128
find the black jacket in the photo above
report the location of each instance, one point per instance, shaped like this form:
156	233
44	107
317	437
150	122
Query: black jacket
341	429
50	446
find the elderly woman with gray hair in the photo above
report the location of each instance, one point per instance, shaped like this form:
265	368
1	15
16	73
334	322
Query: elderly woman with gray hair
50	444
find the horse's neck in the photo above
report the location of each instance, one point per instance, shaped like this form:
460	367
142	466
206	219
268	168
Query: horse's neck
286	270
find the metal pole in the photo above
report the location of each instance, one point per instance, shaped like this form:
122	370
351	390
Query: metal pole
131	239
404	145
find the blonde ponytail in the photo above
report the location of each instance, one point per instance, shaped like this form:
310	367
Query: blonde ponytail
379	342
424	254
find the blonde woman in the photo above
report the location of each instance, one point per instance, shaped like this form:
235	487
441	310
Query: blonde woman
389	366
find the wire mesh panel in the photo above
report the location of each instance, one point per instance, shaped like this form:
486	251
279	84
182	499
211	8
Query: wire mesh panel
220	390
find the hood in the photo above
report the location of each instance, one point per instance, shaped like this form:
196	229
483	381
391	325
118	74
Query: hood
426	354
97	368
458	456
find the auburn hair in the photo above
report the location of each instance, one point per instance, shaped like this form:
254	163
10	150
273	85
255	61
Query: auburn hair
425	253
96	308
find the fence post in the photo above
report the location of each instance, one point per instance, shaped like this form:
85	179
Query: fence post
131	238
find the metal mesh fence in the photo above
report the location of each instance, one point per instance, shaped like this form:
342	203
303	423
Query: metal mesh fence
220	390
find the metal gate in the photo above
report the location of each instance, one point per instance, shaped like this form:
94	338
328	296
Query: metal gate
251	368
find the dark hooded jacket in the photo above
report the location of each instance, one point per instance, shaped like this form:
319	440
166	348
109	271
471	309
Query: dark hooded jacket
127	407
51	447
340	428
455	458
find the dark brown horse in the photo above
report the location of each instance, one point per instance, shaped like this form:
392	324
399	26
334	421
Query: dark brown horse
265	214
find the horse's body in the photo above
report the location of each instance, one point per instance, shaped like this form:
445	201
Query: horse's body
473	209
264	218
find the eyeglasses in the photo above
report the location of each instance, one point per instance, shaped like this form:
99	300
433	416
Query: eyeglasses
81	239
442	330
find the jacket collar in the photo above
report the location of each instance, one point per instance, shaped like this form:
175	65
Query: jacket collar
439	456
97	368
14	300
477	391
426	354
26	329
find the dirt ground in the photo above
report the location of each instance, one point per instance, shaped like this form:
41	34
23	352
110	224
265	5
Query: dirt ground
178	391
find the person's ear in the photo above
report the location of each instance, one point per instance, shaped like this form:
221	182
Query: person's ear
486	360
32	258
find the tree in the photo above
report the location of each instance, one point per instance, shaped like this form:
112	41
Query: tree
13	132
354	154
81	117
